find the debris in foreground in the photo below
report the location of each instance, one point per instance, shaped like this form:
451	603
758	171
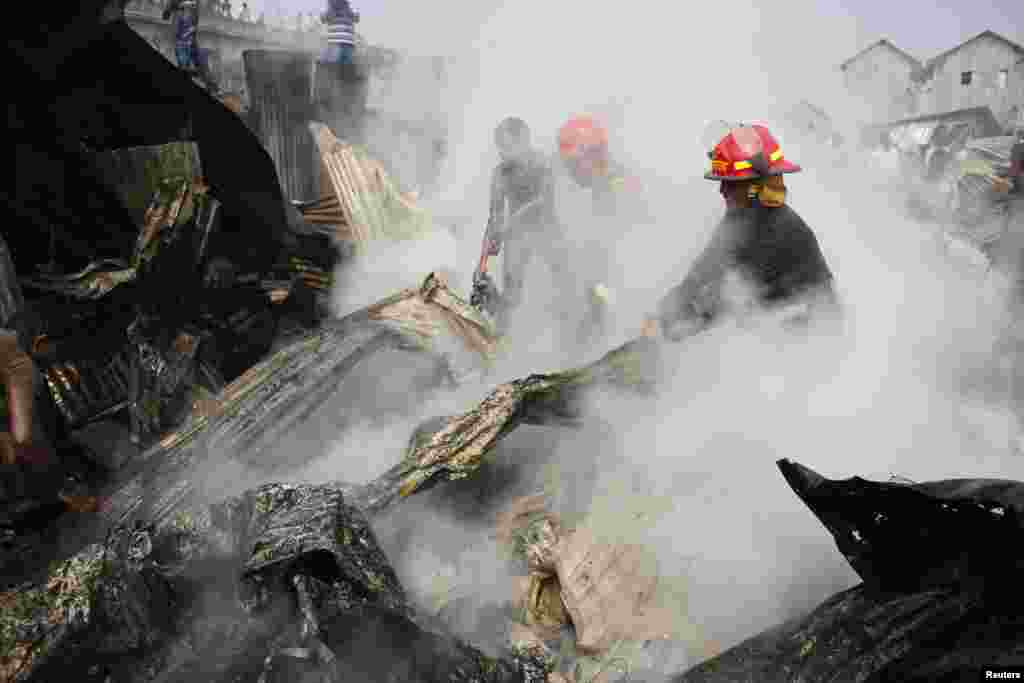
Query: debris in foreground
941	562
250	416
605	590
453	447
280	583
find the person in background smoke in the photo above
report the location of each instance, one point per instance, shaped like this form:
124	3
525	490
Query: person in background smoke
616	198
1010	254
583	147
522	212
1017	162
341	36
761	241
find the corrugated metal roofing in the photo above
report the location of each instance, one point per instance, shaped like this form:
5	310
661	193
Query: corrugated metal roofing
280	88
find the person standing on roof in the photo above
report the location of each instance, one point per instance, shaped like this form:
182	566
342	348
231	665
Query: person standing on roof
186	41
340	20
521	217
186	32
760	243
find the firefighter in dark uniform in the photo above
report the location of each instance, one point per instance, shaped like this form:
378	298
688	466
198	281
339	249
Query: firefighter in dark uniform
760	239
521	221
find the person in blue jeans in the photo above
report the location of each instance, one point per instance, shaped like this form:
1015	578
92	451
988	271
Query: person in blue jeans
186	29
340	20
186	44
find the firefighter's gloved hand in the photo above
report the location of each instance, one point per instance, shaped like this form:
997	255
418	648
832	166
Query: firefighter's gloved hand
601	295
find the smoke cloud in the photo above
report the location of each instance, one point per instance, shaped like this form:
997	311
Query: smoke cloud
905	387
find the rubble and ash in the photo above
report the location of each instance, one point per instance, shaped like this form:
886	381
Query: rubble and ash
272	440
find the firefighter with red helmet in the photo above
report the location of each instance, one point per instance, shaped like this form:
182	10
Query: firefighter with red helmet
761	242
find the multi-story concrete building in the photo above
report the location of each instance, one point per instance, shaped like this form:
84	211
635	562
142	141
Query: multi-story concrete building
981	72
887	84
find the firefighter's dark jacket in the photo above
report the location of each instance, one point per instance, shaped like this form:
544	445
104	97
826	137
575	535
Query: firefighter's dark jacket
771	246
527	187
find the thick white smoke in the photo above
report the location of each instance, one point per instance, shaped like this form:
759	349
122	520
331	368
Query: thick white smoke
883	396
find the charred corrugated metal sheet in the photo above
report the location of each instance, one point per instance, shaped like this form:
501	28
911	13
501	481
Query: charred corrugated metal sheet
144	101
89	389
280	91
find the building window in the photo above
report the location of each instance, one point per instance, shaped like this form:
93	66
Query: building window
1004	77
965	77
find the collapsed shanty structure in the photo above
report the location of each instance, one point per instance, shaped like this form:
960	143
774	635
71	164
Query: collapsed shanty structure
311	547
174	308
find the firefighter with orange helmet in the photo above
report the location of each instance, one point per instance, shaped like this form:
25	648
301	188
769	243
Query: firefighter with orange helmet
583	147
760	240
614	195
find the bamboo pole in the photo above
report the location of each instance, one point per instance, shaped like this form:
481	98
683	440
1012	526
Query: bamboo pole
324	143
372	207
349	205
359	193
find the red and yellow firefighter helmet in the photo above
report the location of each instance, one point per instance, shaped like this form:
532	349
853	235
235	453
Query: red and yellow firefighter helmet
748	153
582	136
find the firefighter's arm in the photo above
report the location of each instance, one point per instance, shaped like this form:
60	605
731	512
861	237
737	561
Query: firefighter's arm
691	306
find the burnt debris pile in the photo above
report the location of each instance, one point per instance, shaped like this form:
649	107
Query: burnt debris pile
940	563
166	269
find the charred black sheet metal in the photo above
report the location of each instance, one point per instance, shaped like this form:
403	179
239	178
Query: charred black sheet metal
953	534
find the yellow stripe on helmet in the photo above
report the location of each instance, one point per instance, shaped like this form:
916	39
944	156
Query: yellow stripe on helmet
741	165
776	155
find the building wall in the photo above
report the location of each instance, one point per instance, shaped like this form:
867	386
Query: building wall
880	86
984	59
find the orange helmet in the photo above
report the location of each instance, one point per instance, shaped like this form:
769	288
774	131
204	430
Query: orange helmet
582	136
748	153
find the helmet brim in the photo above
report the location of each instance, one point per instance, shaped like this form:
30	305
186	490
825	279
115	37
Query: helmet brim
781	168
